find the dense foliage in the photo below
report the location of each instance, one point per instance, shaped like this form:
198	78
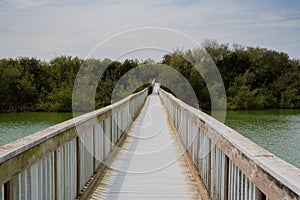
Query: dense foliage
254	78
28	84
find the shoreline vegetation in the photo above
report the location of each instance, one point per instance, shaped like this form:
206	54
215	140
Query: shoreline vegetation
254	78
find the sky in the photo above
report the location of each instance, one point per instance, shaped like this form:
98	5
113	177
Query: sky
48	28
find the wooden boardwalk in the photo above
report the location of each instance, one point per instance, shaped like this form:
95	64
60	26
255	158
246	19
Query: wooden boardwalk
60	162
150	164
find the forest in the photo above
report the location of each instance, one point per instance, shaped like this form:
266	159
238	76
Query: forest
254	78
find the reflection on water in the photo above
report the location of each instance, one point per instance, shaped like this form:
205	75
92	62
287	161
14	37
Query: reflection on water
17	125
278	131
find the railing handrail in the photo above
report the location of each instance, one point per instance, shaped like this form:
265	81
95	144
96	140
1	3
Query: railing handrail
16	147
280	170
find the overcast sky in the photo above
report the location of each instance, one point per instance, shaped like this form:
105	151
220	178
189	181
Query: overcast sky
48	28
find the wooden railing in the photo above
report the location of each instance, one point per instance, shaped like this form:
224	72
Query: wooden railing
230	165
58	162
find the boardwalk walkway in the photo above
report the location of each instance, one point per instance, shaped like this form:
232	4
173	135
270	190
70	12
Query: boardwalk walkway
150	164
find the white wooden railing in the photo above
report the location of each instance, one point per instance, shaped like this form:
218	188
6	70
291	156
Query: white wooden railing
58	162
230	165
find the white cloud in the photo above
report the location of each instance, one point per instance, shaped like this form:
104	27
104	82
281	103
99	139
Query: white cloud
24	4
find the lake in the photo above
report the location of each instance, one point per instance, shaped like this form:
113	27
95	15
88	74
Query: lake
278	131
17	125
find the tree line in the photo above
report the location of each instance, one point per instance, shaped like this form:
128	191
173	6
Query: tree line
254	78
29	84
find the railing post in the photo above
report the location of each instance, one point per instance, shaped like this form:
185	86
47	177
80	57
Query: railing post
198	148
118	125
78	168
111	132
94	149
209	167
103	140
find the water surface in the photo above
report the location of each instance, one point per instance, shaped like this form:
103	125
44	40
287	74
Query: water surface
278	131
17	125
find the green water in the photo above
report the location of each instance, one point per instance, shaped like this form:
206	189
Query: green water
17	125
278	131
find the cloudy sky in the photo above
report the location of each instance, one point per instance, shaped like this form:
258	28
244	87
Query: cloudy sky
48	28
